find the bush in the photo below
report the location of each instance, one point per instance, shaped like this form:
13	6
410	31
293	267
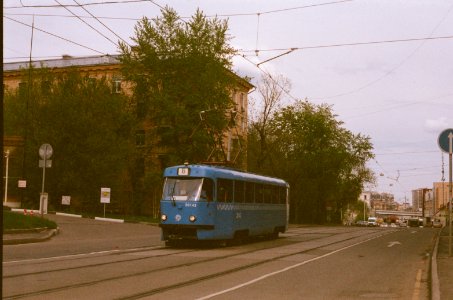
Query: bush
12	220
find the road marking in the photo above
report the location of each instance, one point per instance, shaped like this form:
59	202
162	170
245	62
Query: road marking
391	244
417	285
284	270
77	255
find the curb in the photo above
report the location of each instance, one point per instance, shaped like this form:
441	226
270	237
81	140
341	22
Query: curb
18	231
109	220
27	240
435	285
68	215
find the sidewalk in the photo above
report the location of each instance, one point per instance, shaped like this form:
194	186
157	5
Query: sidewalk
445	266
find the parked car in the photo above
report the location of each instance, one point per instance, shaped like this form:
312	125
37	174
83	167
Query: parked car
437	223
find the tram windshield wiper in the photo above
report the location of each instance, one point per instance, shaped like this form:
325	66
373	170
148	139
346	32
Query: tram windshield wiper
172	196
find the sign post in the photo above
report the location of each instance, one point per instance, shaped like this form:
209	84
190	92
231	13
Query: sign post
105	197
445	142
45	152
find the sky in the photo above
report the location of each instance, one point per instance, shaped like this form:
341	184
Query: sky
384	66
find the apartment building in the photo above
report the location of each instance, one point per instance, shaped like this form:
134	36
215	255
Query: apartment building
15	77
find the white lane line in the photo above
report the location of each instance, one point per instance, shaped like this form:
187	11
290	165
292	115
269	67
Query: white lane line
284	270
78	255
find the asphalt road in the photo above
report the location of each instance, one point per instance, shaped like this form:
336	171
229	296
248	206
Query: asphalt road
97	260
80	235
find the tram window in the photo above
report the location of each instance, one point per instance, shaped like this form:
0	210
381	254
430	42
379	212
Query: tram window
267	194
239	187
225	190
249	192
282	194
206	189
275	198
258	193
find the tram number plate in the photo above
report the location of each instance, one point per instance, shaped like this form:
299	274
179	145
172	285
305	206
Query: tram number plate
183	171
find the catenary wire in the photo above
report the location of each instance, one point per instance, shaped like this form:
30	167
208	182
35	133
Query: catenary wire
102	23
57	36
86	23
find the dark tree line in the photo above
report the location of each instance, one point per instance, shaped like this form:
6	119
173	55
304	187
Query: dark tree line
181	78
89	128
324	163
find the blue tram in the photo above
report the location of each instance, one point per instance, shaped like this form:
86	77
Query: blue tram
204	202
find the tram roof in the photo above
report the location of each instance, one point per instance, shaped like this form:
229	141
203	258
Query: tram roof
198	170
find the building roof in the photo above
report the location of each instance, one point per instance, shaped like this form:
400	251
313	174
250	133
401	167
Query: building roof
69	61
64	61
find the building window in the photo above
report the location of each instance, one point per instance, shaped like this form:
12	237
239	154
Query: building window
140	138
116	86
243	102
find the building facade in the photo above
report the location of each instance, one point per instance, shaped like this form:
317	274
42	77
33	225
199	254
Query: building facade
440	194
422	200
15	77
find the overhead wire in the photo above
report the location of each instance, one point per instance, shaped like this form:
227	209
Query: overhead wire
72	16
57	36
73	5
86	23
102	23
399	65
280	10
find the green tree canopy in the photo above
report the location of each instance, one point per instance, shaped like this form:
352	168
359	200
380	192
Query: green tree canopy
323	162
88	127
181	74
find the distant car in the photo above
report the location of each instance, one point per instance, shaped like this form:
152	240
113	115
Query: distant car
372	221
437	224
403	224
361	223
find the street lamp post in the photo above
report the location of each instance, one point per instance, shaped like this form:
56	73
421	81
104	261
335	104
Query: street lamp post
6	175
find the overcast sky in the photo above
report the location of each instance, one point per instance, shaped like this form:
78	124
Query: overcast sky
385	66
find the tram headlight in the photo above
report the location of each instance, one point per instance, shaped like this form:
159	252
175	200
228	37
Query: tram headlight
163	217
192	218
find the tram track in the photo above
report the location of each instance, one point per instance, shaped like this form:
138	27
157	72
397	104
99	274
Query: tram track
180	284
125	252
229	271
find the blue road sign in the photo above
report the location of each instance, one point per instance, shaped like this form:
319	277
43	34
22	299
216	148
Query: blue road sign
445	140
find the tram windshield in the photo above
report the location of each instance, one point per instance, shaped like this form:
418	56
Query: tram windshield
187	189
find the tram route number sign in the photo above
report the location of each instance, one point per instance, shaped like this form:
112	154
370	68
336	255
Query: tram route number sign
445	140
183	171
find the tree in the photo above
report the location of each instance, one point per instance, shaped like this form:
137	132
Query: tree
182	80
89	129
323	162
271	91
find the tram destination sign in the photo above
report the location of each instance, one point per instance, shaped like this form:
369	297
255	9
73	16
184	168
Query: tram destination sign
445	140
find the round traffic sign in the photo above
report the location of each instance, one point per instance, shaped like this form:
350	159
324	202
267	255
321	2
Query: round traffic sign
445	140
45	151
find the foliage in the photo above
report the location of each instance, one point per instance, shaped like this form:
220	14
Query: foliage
323	162
12	220
271	91
182	83
88	127
361	209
